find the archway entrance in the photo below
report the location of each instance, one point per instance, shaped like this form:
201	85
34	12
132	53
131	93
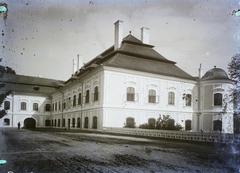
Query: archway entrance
29	123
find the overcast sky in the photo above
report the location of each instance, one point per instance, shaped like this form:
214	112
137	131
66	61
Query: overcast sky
42	37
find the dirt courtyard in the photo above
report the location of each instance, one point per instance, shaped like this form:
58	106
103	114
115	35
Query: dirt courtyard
61	151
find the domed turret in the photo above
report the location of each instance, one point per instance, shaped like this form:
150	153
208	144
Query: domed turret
215	73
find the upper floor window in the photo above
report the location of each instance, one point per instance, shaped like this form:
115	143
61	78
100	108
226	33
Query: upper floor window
95	96
35	106
74	100
218	99
52	107
79	98
7	105
130	94
87	96
55	106
59	105
171	98
188	100
48	107
152	96
23	106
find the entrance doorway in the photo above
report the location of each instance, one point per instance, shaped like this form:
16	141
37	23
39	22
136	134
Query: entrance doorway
29	123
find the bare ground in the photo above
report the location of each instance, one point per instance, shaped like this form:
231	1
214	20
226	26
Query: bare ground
60	151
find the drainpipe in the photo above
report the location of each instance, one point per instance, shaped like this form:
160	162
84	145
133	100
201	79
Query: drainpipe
81	125
62	107
12	106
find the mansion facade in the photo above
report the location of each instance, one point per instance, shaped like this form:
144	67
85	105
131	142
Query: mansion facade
128	84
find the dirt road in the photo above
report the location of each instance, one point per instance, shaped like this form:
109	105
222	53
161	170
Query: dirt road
50	151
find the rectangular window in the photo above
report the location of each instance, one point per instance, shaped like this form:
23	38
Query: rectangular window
79	98
171	98
95	96
55	106
59	105
130	94
218	99
74	100
87	96
7	105
35	106
188	100
48	107
152	96
52	107
23	106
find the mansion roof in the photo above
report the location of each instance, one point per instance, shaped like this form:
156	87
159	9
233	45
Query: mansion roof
29	84
135	55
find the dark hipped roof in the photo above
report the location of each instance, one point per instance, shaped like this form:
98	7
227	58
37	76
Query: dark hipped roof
20	83
135	55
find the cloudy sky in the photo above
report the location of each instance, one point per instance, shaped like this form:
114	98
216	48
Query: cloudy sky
42	37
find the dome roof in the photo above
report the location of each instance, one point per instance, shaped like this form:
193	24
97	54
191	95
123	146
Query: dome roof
215	73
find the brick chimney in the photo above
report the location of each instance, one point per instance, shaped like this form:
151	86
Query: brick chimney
118	34
145	35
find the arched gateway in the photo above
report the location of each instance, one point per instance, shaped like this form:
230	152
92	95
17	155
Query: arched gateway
29	123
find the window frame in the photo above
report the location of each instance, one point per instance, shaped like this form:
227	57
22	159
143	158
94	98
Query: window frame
152	97
217	101
35	106
171	98
7	105
130	94
96	94
23	106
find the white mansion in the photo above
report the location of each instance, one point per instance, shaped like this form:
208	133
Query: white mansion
129	83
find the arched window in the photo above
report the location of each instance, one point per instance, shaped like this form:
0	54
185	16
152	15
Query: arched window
130	94
95	94
130	122
35	106
151	123
23	106
73	122
78	122
86	122
79	98
152	96
63	122
188	100
94	125
74	100
7	105
188	124
218	99
171	98
87	96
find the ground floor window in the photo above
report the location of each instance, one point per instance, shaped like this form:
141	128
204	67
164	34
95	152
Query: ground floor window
94	125
188	125
86	122
78	122
6	122
151	123
73	122
130	123
47	122
58	122
217	125
63	122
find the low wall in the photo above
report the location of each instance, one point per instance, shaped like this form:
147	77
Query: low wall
181	135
